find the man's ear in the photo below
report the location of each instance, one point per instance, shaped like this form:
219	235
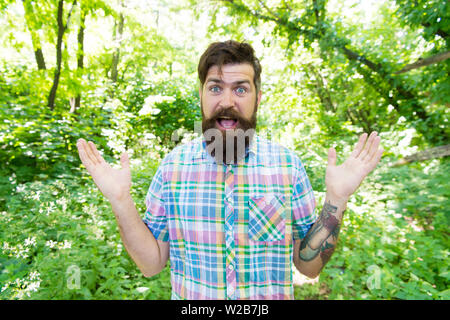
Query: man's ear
258	99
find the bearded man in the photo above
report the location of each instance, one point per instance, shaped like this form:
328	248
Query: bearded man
232	210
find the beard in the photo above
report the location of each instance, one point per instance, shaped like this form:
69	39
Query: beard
231	145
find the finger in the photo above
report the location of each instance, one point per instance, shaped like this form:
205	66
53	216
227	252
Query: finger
332	157
376	159
125	161
373	148
96	153
90	152
369	141
359	145
81	145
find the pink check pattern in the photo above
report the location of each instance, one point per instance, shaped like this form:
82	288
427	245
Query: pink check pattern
231	227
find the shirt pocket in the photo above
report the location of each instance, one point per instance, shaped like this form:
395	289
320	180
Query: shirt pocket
266	217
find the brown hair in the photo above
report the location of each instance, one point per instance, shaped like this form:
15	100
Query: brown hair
229	52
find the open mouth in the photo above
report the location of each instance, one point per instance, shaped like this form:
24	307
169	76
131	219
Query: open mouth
226	123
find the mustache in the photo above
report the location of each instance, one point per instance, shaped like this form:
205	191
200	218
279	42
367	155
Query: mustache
240	138
229	113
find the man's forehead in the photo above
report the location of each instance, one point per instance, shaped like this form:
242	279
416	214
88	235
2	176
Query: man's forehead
241	71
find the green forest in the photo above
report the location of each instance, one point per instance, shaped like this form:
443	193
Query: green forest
123	74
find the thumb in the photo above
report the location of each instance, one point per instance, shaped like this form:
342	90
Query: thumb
125	161
331	156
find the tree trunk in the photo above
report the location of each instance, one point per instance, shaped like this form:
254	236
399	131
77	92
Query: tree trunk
52	95
39	56
39	59
80	57
61	29
433	153
322	90
118	31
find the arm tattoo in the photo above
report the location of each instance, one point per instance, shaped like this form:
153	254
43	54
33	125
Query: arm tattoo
325	248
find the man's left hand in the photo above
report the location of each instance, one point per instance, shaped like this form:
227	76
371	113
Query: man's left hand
343	180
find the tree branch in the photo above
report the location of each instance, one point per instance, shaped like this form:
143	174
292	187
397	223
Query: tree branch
352	55
433	153
302	28
69	14
425	62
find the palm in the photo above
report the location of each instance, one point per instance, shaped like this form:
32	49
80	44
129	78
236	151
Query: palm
113	183
343	180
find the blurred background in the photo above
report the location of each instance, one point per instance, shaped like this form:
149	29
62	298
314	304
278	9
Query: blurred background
123	74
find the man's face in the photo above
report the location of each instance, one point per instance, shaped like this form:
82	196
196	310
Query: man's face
229	103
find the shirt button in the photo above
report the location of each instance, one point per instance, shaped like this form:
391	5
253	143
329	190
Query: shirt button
230	267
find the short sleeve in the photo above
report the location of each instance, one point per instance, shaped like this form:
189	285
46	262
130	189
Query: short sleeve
155	215
303	203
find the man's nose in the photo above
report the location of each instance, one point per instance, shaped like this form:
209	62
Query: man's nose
227	99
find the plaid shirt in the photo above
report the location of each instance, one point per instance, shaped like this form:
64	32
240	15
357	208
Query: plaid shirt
231	227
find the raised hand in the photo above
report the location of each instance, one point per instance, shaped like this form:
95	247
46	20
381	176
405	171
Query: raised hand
115	184
343	180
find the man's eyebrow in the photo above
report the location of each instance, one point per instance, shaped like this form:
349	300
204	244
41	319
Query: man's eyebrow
216	80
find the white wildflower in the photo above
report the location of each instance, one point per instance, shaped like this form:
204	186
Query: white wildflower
50	208
63	203
141	289
34	275
6	246
33	286
22	252
65	245
51	244
30	242
36	196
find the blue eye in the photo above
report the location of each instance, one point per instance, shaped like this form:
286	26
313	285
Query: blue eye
214	89
241	90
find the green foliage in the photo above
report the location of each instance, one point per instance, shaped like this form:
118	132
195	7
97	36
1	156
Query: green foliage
64	225
432	16
394	239
161	108
360	62
37	143
319	90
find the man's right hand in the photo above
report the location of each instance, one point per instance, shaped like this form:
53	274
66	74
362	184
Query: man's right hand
115	184
149	254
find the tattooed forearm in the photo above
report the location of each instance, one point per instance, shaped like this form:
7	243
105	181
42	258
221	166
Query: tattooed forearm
321	239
